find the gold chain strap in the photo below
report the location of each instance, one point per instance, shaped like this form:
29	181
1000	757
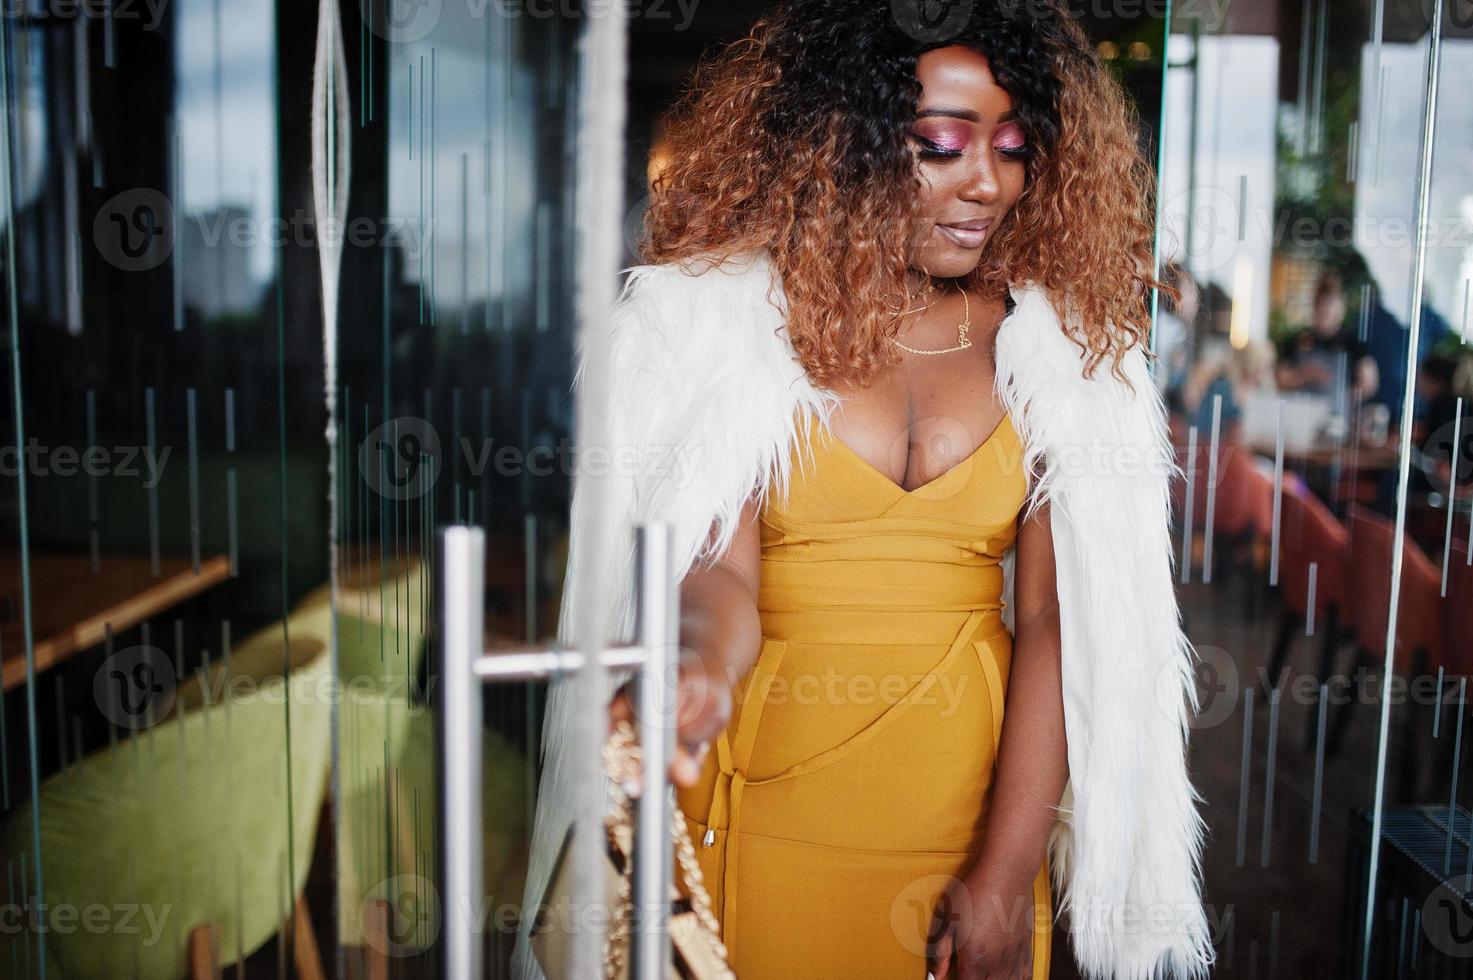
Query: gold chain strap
622	759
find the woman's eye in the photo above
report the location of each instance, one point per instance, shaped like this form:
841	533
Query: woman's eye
931	150
1011	142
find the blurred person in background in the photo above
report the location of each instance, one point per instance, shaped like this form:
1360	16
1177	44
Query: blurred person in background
1175	326
1326	357
1224	372
1443	379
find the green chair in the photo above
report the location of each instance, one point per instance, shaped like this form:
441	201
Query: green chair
387	777
203	824
385	823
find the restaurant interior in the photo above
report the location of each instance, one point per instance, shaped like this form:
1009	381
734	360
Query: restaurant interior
231	429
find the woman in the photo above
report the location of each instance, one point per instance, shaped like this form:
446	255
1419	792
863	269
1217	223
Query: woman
905	496
1324	358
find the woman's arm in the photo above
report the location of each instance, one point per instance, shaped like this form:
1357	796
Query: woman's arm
1033	762
992	934
720	636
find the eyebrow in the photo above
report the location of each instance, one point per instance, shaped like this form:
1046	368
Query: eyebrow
966	114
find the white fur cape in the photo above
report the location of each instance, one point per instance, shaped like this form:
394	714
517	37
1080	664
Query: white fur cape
703	393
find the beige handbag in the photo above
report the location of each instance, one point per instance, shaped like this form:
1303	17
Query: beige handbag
696	946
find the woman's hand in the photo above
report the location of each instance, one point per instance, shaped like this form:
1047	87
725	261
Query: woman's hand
984	924
720	636
702	710
982	927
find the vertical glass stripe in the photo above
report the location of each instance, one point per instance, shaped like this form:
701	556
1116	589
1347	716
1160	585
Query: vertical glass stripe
7	158
1398	550
1165	49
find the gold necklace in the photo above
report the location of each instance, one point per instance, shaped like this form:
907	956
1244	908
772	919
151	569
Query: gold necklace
930	288
962	343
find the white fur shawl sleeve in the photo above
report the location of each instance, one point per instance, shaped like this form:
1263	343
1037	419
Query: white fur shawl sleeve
704	388
1126	851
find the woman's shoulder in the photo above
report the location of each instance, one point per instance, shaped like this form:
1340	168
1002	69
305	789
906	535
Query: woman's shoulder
703	291
694	311
700	274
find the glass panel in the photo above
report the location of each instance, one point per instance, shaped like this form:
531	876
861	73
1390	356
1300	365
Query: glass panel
454	364
1426	883
166	749
216	724
1289	218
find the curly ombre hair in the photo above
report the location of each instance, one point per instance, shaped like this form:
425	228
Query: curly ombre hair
793	140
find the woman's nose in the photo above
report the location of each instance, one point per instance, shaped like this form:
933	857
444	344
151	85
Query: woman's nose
982	184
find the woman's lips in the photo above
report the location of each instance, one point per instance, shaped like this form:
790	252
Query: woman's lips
969	235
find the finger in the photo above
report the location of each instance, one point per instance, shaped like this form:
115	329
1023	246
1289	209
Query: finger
703	704
683	768
938	961
620	709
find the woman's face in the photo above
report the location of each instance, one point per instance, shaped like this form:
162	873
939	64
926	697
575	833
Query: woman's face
1329	312
969	154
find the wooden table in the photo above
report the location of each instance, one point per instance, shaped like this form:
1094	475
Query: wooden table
1347	455
72	606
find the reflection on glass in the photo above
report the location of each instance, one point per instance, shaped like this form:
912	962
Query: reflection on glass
195	729
1289	221
166	743
454	358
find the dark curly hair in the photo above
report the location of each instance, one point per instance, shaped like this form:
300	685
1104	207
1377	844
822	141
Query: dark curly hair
793	140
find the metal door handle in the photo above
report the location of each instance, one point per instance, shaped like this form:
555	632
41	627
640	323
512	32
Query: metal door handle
464	661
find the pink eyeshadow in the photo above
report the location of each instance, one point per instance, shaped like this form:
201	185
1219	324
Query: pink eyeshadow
1009	138
945	137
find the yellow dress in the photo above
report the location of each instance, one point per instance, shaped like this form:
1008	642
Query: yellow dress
853	781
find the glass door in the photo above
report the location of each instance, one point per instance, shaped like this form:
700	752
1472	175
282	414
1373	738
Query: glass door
287	286
452	405
290	286
167	653
1315	217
